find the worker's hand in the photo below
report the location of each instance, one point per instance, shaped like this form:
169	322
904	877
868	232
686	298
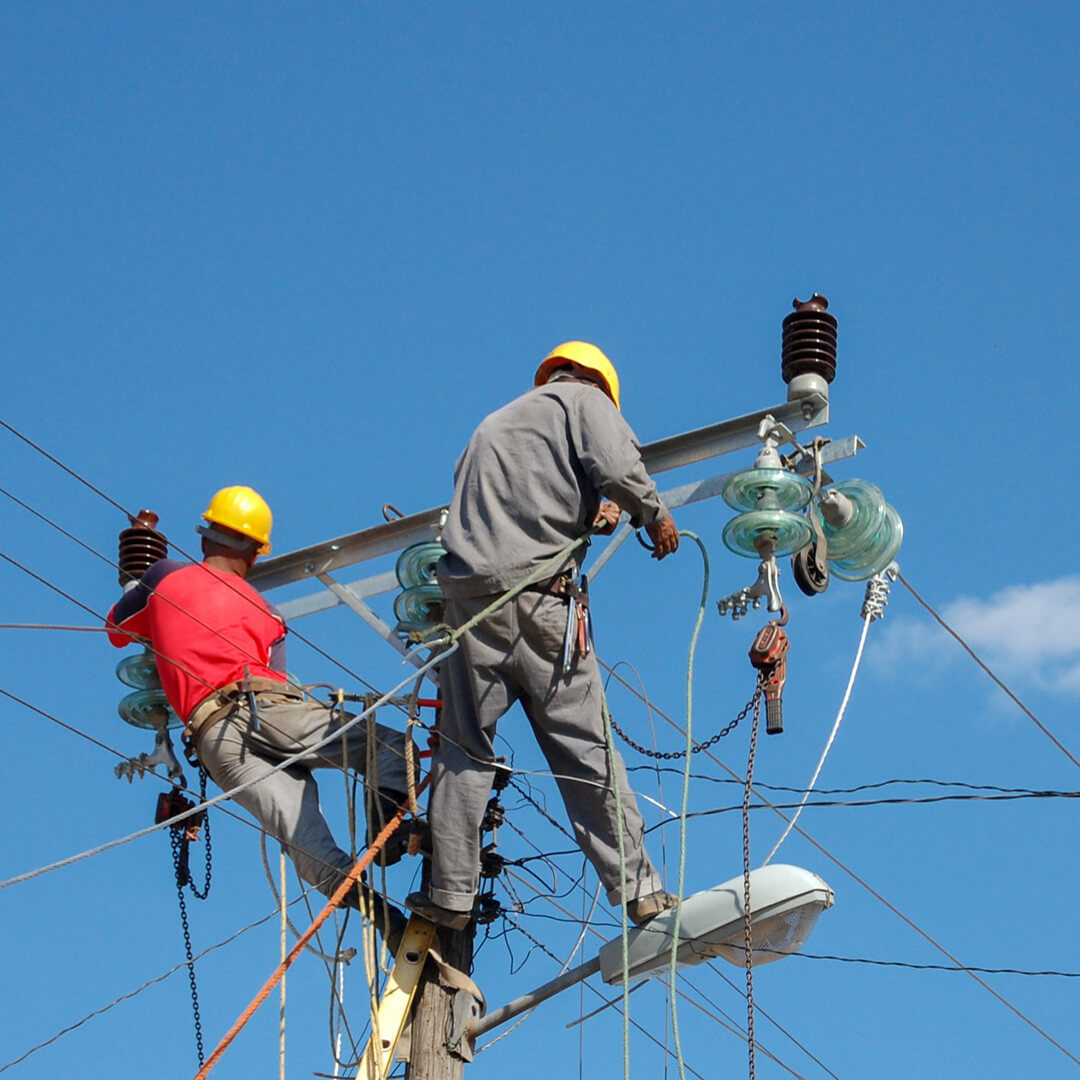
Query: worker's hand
665	537
607	517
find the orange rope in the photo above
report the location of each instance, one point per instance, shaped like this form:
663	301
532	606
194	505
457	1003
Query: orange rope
340	893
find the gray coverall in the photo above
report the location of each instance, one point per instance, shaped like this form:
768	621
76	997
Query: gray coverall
286	803
528	483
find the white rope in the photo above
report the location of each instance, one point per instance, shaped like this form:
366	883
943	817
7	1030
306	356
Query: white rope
829	742
284	954
283	764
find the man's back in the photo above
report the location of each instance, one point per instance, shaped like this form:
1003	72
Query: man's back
206	627
531	480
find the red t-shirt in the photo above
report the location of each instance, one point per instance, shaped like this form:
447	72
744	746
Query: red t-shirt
206	626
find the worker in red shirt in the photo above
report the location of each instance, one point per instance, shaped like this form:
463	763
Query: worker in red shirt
220	651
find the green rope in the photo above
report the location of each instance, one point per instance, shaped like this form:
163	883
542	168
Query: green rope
686	794
450	634
620	830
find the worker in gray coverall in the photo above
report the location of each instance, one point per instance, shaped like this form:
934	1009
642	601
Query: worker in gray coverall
536	475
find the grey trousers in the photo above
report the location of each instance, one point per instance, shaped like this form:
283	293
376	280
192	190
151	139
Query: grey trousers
516	655
286	803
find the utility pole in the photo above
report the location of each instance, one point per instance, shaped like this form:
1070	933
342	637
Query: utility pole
429	1055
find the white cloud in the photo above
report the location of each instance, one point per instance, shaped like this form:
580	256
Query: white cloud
1027	634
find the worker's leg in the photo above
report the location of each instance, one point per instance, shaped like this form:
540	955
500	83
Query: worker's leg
285	803
287	725
566	715
475	693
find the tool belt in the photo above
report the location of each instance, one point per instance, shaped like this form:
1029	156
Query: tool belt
216	706
561	585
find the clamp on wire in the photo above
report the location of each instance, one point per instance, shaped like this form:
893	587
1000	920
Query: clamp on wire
877	592
767	587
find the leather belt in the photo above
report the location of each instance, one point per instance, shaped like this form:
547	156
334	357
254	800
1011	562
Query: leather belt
561	585
217	705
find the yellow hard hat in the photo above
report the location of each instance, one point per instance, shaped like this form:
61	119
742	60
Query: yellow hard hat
588	356
243	510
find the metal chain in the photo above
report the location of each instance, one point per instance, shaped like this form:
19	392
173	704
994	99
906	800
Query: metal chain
748	936
178	837
183	877
672	755
205	891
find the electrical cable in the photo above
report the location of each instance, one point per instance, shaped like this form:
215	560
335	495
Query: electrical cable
639	1027
863	803
974	656
712	964
335	900
198	808
877	784
145	986
563	968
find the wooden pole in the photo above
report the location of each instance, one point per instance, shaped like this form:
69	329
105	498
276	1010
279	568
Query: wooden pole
429	1058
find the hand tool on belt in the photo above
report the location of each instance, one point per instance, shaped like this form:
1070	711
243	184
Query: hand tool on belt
247	691
578	623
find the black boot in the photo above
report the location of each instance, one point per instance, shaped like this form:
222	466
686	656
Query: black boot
389	921
385	806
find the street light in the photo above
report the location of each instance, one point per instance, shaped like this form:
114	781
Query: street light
785	902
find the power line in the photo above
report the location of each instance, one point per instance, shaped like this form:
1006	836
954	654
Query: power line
131	517
145	986
876	785
862	803
933	967
974	656
71	472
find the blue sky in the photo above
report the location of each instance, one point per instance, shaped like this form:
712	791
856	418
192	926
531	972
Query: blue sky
308	248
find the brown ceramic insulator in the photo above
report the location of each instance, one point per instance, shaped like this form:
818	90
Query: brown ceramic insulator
140	547
808	345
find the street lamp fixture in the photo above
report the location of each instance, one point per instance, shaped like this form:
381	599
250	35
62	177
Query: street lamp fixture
785	902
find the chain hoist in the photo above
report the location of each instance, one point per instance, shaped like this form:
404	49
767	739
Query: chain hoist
181	834
768	654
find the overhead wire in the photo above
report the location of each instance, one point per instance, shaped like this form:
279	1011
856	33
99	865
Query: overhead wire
145	986
802	832
131	517
213	801
978	660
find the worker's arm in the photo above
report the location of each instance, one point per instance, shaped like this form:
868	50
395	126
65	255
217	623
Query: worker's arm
127	620
609	452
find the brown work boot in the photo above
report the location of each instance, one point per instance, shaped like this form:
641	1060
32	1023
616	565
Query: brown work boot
644	908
